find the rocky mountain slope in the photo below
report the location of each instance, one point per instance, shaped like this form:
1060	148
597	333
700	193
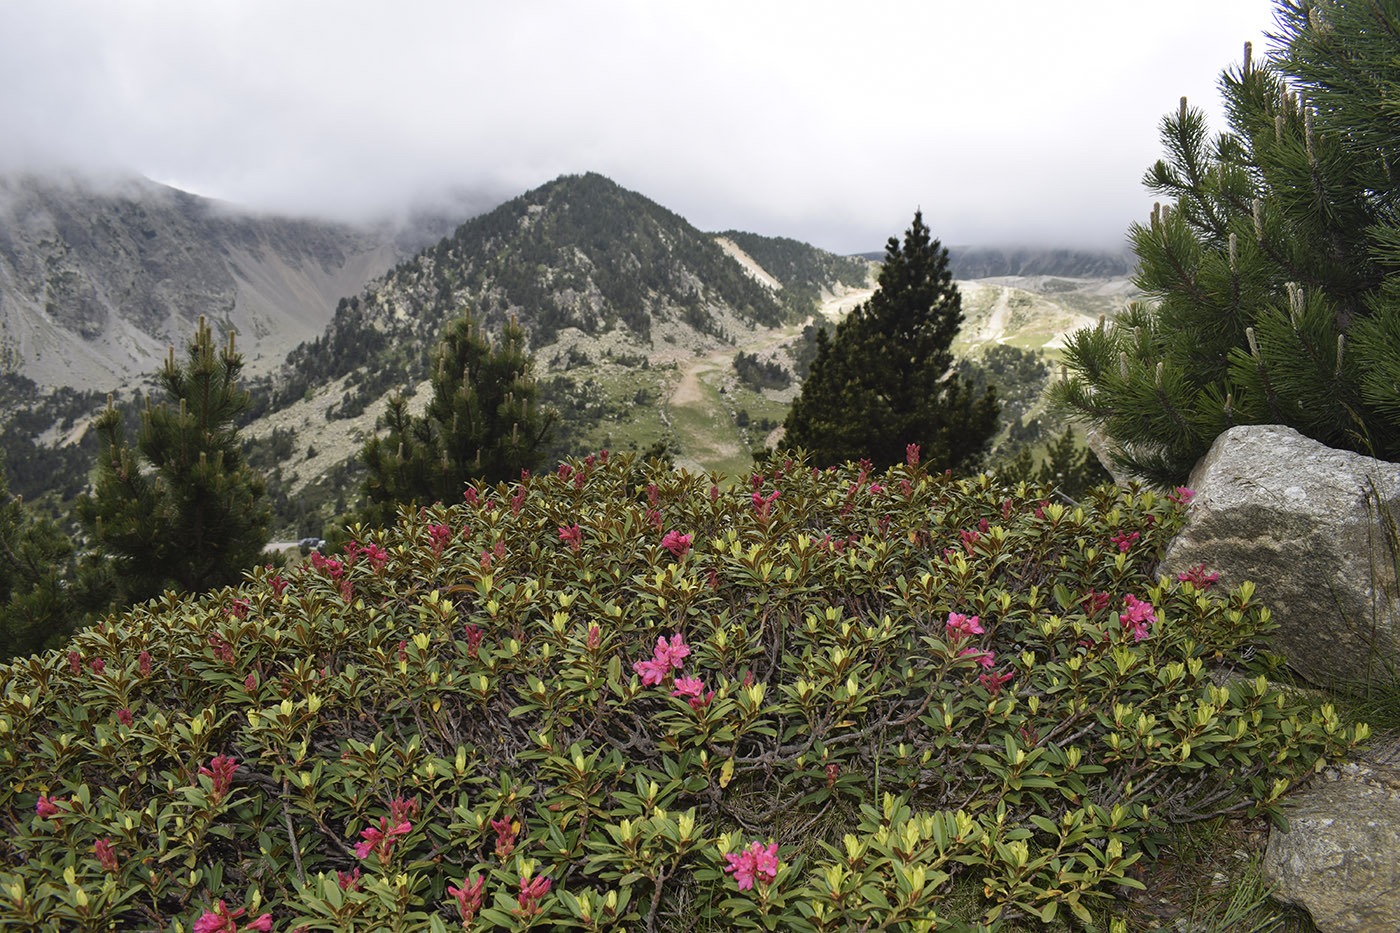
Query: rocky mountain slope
98	278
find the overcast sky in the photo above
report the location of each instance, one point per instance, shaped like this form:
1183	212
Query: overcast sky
1012	122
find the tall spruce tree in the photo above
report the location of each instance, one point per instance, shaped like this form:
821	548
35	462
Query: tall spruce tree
179	508
885	379
483	422
1271	271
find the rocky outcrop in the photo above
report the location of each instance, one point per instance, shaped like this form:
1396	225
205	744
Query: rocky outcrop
1315	530
1340	858
98	278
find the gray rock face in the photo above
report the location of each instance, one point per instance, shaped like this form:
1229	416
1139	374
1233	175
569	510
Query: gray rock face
1340	859
1314	529
99	278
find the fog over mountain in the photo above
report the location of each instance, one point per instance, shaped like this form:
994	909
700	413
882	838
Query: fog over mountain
1016	122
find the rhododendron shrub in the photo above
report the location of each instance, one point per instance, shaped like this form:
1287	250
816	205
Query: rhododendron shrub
609	697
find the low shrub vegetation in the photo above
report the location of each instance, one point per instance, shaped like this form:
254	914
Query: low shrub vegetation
620	697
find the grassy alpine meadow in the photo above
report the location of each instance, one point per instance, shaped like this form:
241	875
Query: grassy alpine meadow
617	697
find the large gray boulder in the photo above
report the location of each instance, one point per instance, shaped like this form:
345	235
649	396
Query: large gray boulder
1314	529
1340	859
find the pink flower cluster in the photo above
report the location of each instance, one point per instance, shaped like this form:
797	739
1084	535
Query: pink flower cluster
911	454
1138	617
48	807
506	831
960	626
677	543
531	893
1181	495
220	771
439	535
375	554
1198	577
757	862
571	535
694	689
993	681
981	655
380	839
762	503
106	857
222	920
1125	541
664	657
469	897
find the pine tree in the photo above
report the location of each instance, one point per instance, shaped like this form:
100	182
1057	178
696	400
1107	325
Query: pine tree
36	610
179	509
1270	273
483	422
885	379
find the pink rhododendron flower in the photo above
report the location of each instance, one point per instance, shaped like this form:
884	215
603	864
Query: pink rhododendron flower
124	716
694	689
221	920
223	651
911	454
960	626
833	771
400	808
473	640
565	471
993	681
220	771
506	830
1138	617
762	503
651	671
439	536
757	862
1125	541
143	663
980	655
1094	601
380	839
48	807
571	535
250	683
1198	577
664	657
469	897
97	665
470	495
969	539
677	543
278	585
1181	495
348	881
531	893
105	856
595	637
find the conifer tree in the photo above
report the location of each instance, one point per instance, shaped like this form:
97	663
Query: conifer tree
482	423
885	379
1271	269
36	610
179	508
